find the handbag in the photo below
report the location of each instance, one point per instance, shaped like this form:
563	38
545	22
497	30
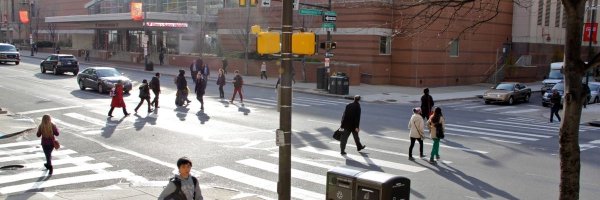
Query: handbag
439	131
337	135
112	92
56	144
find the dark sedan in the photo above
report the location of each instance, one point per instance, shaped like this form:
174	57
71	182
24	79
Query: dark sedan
102	79
60	63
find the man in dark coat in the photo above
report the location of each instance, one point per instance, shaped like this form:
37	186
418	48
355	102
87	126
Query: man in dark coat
200	90
350	124
155	87
195	68
426	103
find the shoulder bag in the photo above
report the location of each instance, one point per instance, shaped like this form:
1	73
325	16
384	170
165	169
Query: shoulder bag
337	135
439	131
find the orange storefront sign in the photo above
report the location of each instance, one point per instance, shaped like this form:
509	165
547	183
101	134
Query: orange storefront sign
24	16
136	11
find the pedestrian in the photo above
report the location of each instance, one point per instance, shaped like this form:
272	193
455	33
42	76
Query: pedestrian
48	131
263	70
194	68
182	89
87	55
224	65
57	50
35	48
155	86
555	100
435	123
182	186
278	82
350	124
144	95
200	90
238	82
221	82
415	125
205	71
161	56
117	99
426	104
586	94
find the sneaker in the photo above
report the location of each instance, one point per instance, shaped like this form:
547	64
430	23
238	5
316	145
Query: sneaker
431	161
411	158
437	157
343	153
422	156
363	147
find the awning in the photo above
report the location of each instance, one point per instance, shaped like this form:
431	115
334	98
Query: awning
154	16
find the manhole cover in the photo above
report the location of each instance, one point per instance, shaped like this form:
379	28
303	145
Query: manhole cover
11	167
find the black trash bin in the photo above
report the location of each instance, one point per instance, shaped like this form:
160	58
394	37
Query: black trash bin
333	84
341	183
150	66
373	185
344	85
321	81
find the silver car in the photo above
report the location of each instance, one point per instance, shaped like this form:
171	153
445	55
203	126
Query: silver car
594	90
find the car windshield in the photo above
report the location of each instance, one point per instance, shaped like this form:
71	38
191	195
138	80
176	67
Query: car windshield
7	48
559	87
505	86
555	74
107	72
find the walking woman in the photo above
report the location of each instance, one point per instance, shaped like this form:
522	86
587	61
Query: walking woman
200	89
436	122
117	99
144	95
221	82
48	131
415	126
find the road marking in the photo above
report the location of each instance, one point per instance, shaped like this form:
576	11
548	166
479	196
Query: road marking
513	126
62	161
499	131
306	162
491	134
383	151
310	120
24	143
313	102
520	111
310	177
48	110
37	155
275	101
57	171
497	140
321	100
90	119
480	106
261	183
73	126
427	143
517	123
497	108
364	160
64	181
261	103
22	150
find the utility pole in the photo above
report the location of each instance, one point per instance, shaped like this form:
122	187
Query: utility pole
30	29
285	114
247	35
145	10
590	52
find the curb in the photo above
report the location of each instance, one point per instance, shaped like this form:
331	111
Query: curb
594	123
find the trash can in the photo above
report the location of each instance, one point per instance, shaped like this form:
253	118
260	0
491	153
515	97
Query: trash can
341	182
333	84
344	85
150	66
373	185
321	78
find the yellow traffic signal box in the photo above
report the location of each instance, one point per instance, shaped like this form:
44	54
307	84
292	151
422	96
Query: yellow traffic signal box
268	42
252	3
303	43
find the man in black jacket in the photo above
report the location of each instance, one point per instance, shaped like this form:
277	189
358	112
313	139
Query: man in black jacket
350	123
555	99
155	87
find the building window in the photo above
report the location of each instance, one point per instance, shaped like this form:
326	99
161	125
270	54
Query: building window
453	48
558	9
540	12
564	18
385	45
547	16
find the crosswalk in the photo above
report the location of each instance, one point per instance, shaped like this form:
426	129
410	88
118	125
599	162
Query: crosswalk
479	106
69	168
266	102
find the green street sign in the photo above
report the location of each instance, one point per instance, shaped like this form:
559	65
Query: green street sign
328	25
330	13
310	12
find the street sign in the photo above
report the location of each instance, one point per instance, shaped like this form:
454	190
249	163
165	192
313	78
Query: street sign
330	13
326	62
327	25
329	18
266	3
310	12
296	4
328	55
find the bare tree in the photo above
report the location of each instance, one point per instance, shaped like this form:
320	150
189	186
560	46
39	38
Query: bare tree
418	15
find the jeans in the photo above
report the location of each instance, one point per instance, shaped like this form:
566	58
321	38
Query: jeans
263	73
201	99
141	102
344	140
221	92
435	151
48	148
554	111
155	100
412	144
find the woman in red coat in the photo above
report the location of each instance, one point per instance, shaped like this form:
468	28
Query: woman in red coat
117	99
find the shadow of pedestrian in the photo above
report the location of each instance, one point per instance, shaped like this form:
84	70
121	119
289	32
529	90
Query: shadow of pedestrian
182	112
202	117
225	103
242	109
110	126
140	121
29	193
354	163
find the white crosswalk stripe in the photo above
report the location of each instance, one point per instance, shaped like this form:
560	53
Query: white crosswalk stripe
296	101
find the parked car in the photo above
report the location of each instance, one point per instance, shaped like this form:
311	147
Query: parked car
507	92
594	90
560	87
102	79
9	53
60	63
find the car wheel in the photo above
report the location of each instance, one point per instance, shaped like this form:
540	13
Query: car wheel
527	98
16	63
55	71
597	100
75	73
511	101
487	102
43	69
81	86
100	88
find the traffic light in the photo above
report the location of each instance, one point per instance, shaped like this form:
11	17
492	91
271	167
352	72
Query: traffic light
327	45
303	43
268	43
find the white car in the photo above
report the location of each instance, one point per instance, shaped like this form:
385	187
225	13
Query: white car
594	90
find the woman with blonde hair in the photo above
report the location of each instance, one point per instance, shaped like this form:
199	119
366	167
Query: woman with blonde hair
48	131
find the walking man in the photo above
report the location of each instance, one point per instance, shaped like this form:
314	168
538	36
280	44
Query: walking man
263	70
205	71
144	96
183	185
426	104
194	68
200	90
238	82
155	86
555	100
415	125
225	65
221	82
87	55
350	124
161	56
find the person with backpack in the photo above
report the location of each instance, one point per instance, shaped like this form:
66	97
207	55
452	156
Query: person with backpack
155	87
238	82
436	130
182	186
144	95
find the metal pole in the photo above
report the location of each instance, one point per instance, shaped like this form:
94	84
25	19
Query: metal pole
328	35
144	29
590	55
247	34
285	116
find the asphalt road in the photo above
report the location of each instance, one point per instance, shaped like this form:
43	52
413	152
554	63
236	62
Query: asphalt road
491	151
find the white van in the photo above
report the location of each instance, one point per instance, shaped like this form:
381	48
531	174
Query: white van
554	76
